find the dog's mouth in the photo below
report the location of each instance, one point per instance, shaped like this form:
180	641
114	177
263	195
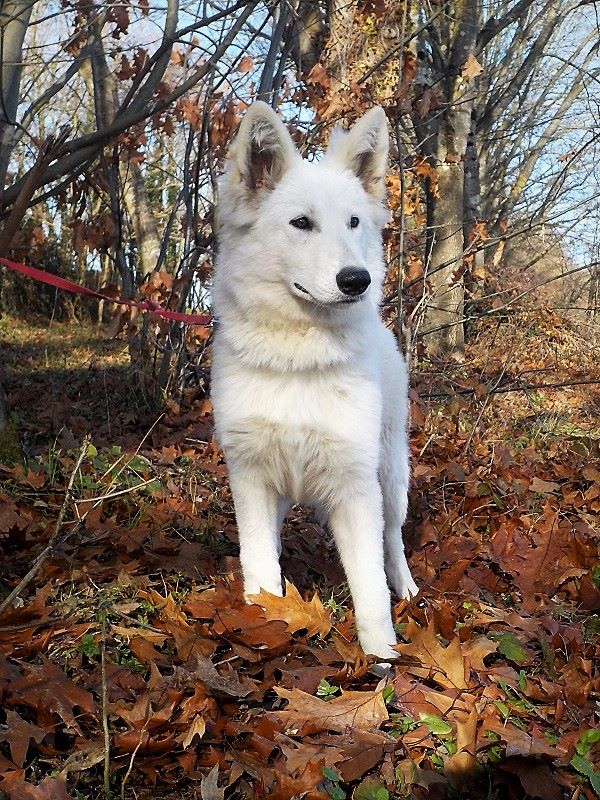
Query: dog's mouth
344	301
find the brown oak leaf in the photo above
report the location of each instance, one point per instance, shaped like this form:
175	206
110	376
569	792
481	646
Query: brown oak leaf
48	690
298	613
17	788
445	665
19	734
307	714
471	68
461	766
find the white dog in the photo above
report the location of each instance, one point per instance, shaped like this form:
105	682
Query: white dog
309	389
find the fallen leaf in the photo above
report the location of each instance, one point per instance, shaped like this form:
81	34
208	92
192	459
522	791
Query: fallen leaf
48	690
591	473
543	487
299	753
307	714
462	765
585	767
351	652
34	479
536	778
297	613
411	774
362	753
522	743
197	728
415	698
475	650
511	647
303	784
10	517
17	788
85	758
371	789
156	637
209	788
444	665
435	724
19	734
230	685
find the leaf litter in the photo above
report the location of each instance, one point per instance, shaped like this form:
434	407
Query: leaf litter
495	691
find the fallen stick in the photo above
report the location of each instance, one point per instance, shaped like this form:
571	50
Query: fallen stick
41	558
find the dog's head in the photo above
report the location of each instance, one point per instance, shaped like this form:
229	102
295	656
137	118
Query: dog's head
313	229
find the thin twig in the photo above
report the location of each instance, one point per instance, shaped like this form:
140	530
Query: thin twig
137	450
136	622
499	309
135	752
47	551
116	494
506	389
105	710
31	624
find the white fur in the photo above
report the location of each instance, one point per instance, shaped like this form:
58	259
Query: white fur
310	393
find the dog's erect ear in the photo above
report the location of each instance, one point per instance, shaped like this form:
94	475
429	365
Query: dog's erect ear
364	150
263	148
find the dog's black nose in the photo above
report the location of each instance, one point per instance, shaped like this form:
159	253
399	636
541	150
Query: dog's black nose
353	281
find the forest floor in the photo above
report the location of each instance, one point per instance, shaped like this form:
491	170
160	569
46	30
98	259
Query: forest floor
131	667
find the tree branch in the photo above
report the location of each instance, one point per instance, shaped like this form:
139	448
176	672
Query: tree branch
77	152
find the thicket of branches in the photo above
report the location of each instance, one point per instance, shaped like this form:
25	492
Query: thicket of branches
115	119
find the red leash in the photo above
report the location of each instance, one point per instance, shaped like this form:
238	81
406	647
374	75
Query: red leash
75	288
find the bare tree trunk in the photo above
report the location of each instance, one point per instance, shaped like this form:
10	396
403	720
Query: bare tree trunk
104	279
266	87
445	236
306	35
342	39
101	85
472	211
445	145
139	208
14	20
594	295
444	264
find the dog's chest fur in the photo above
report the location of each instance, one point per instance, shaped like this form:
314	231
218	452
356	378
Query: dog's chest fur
307	432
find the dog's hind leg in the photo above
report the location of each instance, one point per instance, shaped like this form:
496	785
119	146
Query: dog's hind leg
283	506
259	512
394	475
356	521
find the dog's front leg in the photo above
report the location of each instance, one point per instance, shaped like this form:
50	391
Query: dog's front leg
258	514
356	521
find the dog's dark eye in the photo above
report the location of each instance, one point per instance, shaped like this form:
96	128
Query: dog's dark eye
354	222
302	223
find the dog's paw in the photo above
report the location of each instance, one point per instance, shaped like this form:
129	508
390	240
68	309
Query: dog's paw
409	588
381	650
252	588
404	585
376	644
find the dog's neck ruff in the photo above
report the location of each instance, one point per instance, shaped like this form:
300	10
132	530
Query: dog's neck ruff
264	339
